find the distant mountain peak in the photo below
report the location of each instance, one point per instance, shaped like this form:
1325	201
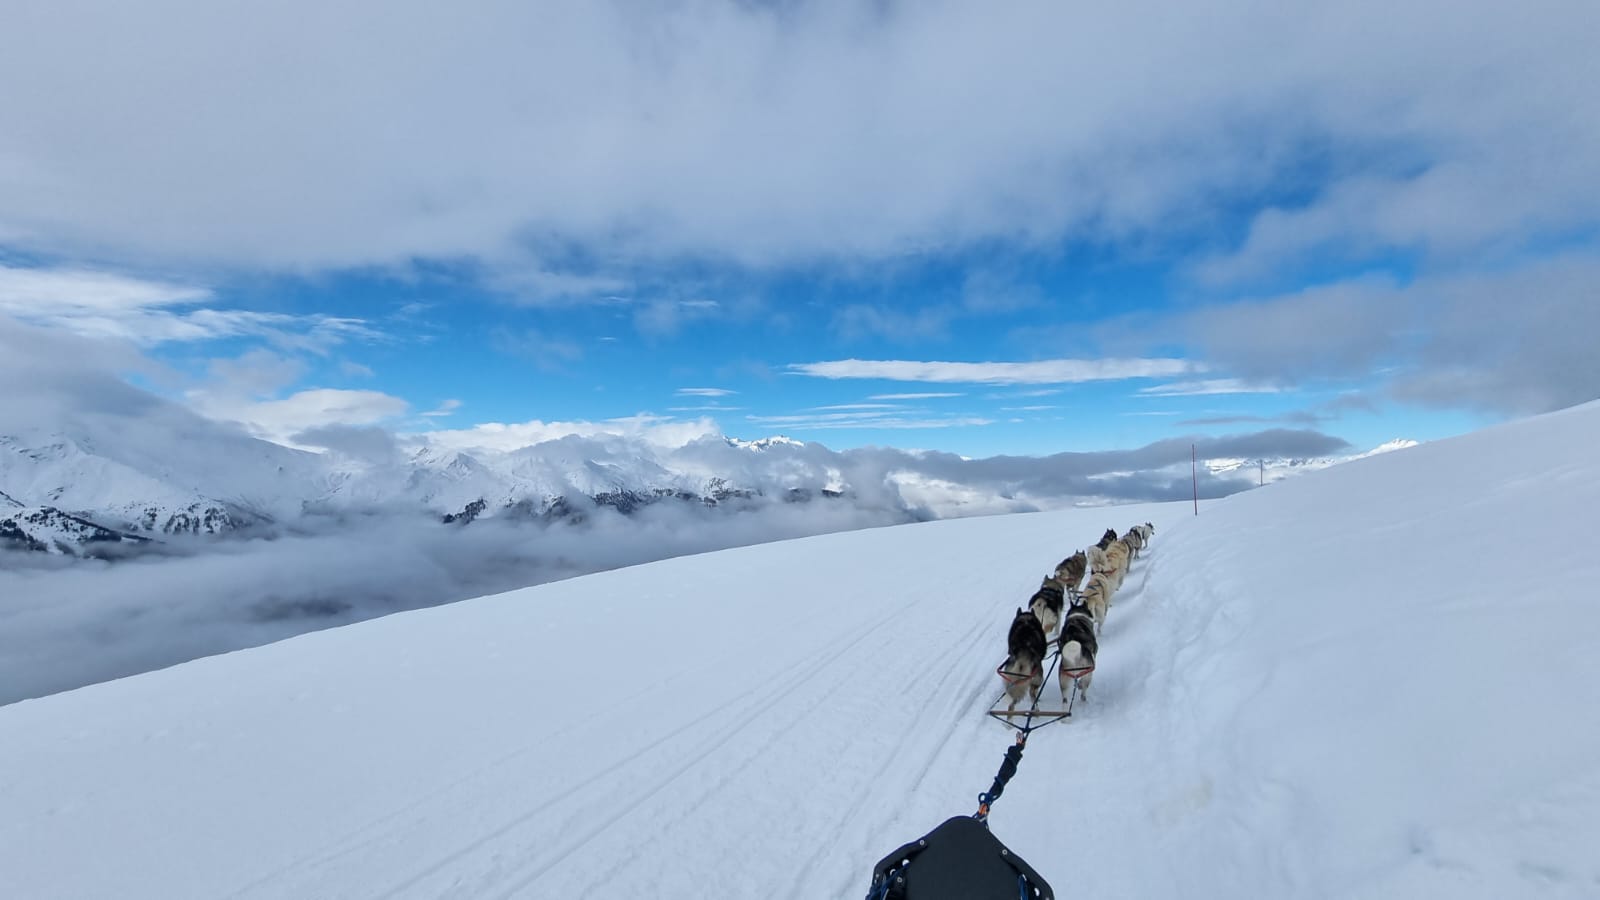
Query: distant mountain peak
777	440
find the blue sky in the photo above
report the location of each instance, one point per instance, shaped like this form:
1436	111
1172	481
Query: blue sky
744	212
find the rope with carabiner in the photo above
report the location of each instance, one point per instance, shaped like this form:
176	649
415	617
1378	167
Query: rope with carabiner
1008	767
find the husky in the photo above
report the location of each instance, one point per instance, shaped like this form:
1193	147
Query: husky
1101	562
1071	570
1078	647
1046	605
1097	597
1107	538
1118	555
1144	533
1024	665
1097	559
1134	540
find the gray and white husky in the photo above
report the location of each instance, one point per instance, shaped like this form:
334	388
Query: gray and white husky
1070	571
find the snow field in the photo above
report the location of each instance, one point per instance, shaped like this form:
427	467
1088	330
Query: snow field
1375	682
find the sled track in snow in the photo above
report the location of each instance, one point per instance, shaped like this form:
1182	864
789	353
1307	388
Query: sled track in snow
899	675
762	696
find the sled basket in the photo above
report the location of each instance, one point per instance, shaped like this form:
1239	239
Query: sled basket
959	860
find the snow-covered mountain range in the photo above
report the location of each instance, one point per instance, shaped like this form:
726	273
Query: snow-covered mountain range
123	490
170	487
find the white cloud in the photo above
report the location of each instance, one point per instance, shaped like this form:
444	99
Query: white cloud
927	396
446	408
107	305
771	132
257	374
35	293
1209	386
865	419
540	286
1506	339
1049	371
310	410
704	392
656	430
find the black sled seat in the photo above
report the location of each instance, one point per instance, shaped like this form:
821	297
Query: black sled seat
959	860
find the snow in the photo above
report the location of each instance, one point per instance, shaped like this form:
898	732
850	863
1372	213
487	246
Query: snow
54	531
1373	681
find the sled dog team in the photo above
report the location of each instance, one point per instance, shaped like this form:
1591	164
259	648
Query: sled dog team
1106	564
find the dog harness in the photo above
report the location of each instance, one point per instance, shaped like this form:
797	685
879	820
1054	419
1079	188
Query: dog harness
1015	677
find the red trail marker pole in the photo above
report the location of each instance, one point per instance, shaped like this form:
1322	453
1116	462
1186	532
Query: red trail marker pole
1194	475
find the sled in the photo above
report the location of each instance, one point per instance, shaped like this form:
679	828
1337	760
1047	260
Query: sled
959	860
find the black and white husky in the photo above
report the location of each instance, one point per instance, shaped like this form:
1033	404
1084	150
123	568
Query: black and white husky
1078	647
1024	665
1046	603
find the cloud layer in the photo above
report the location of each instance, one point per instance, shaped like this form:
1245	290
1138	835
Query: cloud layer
770	133
1512	341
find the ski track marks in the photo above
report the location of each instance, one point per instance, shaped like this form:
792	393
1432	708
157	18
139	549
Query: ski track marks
675	779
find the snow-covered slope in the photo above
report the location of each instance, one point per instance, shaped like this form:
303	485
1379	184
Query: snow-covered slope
1279	468
1375	681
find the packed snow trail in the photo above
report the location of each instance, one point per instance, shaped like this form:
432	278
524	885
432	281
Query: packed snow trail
629	731
1374	681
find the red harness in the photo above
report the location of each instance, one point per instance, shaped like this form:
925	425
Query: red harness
1015	677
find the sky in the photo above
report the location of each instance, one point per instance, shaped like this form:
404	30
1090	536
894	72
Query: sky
940	225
